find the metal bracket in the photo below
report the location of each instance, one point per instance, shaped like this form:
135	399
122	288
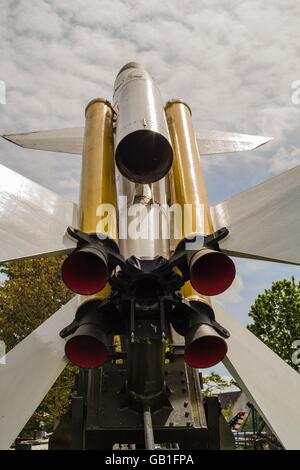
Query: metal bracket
191	313
108	246
182	256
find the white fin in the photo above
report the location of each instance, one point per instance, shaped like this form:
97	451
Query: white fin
33	219
31	369
271	385
264	221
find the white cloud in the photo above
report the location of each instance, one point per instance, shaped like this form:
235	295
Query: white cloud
286	157
234	294
234	62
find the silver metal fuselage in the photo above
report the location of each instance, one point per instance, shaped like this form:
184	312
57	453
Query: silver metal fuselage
139	107
148	202
143	149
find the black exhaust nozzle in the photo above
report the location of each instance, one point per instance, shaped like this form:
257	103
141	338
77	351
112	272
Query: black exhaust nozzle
204	337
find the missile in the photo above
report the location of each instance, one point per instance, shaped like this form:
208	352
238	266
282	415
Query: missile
142	301
143	150
88	268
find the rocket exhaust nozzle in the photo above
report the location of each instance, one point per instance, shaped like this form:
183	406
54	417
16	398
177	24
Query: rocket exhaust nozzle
211	272
144	156
204	347
85	270
143	150
88	347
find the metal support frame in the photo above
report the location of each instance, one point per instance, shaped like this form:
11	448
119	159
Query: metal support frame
99	417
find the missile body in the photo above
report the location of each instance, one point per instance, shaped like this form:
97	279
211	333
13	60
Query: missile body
143	219
143	155
143	150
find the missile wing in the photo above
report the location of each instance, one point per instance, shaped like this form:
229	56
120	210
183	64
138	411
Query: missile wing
56	140
33	219
271	385
212	142
30	371
71	141
263	222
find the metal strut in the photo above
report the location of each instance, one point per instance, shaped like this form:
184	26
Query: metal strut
148	428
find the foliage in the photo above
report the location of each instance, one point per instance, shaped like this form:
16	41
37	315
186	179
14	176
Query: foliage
228	412
215	384
276	318
31	292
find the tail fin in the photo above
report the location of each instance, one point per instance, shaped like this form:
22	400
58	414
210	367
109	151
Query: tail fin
57	140
31	369
270	384
33	219
263	222
211	142
71	141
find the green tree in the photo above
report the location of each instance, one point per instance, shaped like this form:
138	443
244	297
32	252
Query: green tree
31	292
214	384
276	318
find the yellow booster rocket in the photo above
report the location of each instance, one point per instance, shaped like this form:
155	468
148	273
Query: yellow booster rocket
210	271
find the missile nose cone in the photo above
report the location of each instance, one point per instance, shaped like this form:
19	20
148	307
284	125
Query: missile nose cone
131	65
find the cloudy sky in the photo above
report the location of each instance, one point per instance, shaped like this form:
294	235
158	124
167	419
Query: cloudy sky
234	62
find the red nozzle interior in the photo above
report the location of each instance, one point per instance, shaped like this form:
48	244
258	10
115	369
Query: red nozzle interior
211	272
84	272
86	351
205	352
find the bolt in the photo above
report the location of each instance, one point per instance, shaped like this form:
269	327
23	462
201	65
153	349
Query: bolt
181	372
183	382
186	414
171	424
184	390
185	403
188	424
